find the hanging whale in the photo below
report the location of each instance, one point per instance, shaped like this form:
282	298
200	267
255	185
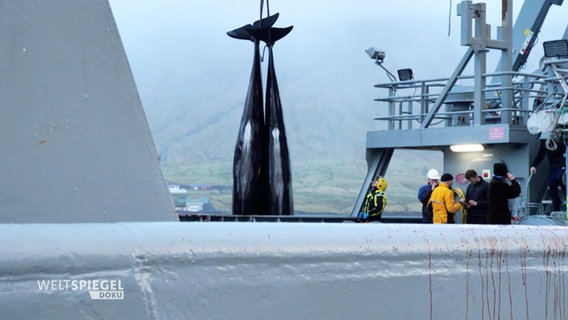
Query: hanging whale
279	173
250	184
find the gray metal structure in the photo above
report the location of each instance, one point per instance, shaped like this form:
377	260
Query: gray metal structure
490	109
76	146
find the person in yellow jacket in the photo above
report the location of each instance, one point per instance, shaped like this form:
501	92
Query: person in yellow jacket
375	201
442	201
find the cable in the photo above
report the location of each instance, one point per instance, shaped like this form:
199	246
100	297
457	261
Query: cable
261	6
267	9
555	135
450	19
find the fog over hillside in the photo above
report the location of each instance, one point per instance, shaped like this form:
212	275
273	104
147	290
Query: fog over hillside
193	79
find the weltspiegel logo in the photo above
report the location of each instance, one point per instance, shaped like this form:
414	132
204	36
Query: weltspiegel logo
99	289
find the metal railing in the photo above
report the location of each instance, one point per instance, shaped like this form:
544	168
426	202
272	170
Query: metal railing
409	102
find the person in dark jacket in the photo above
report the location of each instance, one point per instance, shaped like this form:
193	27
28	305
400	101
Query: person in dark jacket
502	187
424	194
554	150
476	201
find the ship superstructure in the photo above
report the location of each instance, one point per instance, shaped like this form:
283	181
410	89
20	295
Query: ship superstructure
476	120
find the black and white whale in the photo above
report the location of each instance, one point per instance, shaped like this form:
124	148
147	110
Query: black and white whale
279	172
250	183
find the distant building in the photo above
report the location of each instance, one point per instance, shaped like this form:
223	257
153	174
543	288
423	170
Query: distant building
176	189
200	187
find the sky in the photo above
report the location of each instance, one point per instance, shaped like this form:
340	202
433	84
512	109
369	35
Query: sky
173	44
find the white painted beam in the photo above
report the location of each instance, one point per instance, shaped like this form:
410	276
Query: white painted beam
286	271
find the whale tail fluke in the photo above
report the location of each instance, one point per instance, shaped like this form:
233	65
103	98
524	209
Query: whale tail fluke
243	33
269	35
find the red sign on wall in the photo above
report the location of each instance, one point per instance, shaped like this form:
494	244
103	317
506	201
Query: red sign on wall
497	133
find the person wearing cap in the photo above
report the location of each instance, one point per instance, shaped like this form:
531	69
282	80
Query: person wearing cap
502	187
442	201
424	194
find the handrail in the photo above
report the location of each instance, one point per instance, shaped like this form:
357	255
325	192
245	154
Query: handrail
417	104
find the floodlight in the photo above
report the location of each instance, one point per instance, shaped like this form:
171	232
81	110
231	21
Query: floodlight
376	54
467	147
556	48
405	74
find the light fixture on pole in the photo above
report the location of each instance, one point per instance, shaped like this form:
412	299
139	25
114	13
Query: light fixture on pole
379	55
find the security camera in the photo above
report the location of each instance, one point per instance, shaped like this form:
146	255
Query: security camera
376	54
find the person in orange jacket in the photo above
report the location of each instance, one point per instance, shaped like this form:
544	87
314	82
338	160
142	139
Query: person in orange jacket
442	201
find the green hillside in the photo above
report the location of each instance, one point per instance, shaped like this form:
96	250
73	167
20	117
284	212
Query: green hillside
326	118
329	185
